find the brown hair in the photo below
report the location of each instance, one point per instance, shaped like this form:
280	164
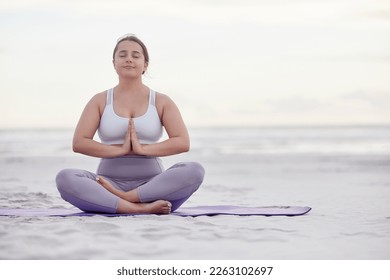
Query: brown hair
132	37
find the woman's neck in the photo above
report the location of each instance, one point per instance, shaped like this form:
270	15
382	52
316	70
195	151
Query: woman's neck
130	86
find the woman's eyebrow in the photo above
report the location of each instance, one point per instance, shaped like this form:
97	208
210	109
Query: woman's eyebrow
133	52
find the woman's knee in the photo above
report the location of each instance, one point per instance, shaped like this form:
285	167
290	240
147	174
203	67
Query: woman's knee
194	172
68	180
63	179
199	171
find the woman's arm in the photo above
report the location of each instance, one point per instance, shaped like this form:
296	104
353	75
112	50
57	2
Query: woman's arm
178	141
86	128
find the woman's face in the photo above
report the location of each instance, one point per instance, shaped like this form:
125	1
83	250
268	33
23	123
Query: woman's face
129	60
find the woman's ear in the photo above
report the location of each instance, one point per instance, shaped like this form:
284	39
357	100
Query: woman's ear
145	67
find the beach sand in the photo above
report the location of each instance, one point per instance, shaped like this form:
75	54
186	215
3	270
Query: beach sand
349	194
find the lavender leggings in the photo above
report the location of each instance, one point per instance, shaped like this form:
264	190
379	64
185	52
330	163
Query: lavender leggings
146	174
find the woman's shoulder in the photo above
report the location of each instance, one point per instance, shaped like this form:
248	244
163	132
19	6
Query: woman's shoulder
165	104
99	97
163	99
98	100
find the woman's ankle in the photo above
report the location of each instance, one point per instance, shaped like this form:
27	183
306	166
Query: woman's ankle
132	196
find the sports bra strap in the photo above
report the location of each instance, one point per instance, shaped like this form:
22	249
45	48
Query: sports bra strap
109	97
153	97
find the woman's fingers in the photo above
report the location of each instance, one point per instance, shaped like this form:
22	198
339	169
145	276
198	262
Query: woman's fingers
127	142
135	144
132	129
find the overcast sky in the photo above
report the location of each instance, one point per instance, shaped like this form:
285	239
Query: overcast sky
223	62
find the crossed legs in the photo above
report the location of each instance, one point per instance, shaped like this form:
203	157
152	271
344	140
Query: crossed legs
162	194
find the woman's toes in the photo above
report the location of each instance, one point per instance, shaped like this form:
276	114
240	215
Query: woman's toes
101	181
169	206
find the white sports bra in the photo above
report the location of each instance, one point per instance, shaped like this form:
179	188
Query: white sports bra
113	128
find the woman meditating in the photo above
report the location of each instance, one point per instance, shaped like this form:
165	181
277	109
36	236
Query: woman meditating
129	119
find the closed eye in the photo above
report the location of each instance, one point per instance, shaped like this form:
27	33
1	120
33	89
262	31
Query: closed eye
136	54
122	53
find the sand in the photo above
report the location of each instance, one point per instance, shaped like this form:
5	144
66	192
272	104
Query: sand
349	194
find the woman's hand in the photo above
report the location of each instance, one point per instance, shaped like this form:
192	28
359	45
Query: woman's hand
136	146
131	144
178	139
127	143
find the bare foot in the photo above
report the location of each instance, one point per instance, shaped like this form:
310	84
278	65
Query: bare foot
130	204
156	207
131	196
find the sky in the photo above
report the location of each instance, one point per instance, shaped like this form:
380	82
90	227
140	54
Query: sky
224	63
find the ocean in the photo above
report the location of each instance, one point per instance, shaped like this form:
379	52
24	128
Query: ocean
224	140
342	172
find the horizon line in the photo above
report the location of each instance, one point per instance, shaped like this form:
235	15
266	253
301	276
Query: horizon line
226	126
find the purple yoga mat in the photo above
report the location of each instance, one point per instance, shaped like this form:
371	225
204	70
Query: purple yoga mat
183	211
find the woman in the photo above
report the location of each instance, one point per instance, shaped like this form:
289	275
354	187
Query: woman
129	119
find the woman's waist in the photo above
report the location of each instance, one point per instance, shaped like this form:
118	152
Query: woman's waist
130	167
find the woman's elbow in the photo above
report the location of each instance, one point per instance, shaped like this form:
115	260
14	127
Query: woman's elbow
76	147
185	147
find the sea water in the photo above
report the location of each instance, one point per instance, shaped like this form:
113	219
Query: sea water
223	140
